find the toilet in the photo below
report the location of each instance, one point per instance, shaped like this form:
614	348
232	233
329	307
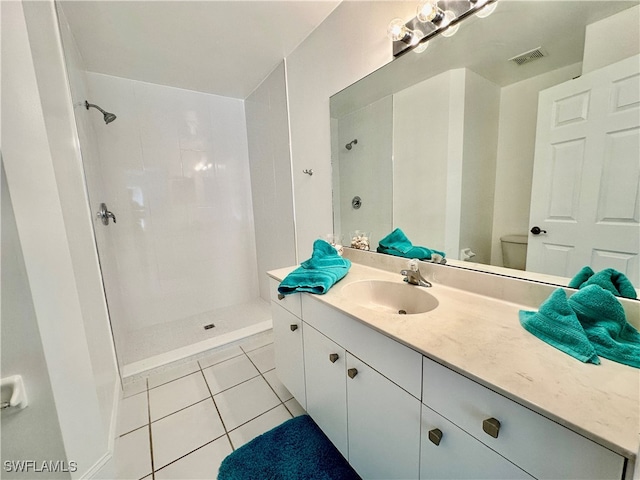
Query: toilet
514	251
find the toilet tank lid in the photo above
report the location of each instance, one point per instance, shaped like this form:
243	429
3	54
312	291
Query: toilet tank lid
515	239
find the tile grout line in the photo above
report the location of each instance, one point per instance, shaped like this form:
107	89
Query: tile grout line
200	368
216	407
192	451
153	476
271	387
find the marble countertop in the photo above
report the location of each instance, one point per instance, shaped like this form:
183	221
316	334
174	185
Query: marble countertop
481	338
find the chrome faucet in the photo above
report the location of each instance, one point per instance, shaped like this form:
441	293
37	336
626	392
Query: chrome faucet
414	277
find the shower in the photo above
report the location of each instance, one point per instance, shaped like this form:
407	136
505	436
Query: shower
108	117
350	145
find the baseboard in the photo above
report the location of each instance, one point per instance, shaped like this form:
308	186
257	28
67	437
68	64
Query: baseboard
105	467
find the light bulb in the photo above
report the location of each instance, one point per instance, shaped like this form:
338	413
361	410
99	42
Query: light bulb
449	16
487	10
416	36
427	11
397	30
421	47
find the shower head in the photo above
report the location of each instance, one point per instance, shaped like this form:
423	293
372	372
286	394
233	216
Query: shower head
350	145
108	117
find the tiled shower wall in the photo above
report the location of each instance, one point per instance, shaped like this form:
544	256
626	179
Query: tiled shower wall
176	174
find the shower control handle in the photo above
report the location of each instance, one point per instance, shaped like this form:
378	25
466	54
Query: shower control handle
104	215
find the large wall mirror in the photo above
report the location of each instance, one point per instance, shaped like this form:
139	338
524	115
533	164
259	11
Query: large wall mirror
527	118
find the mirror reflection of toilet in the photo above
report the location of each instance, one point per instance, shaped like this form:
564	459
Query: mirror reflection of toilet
514	251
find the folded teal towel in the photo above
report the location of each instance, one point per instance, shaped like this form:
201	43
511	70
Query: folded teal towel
556	324
397	243
317	274
606	326
609	279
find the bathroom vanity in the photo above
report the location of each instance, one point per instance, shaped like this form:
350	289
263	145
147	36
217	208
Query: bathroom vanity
457	389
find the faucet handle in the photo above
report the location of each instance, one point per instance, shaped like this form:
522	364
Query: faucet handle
412	264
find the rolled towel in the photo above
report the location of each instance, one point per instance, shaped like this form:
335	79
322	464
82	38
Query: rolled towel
317	274
397	243
606	326
556	324
609	279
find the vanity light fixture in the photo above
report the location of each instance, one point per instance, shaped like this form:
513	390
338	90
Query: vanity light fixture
431	20
483	8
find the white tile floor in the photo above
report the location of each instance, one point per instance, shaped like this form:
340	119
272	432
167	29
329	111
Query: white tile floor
181	423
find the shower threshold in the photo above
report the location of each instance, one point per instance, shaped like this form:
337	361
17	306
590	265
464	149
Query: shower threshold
182	353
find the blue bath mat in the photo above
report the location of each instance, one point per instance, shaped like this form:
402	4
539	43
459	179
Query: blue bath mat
295	450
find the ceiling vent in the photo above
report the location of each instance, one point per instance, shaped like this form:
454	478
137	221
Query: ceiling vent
529	56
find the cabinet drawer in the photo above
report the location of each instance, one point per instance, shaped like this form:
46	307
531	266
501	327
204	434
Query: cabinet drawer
459	455
395	361
288	302
536	444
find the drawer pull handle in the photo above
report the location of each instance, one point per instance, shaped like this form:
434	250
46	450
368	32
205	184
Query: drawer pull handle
333	357
491	426
280	296
352	372
293	327
435	436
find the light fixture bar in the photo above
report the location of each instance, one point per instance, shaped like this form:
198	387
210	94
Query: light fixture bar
430	30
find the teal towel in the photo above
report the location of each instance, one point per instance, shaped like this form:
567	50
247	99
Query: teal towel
397	243
556	324
609	279
606	326
294	450
317	274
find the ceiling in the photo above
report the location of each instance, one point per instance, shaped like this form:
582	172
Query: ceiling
222	47
485	45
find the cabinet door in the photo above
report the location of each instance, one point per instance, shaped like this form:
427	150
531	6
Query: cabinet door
325	379
287	340
458	455
383	425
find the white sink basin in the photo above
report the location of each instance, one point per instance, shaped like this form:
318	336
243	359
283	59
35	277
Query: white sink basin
389	297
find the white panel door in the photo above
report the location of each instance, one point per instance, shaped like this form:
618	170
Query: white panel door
586	177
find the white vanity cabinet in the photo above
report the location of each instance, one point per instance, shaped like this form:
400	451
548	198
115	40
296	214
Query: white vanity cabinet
372	420
537	445
395	414
287	339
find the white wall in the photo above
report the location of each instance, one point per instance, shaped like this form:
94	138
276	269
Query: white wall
32	433
611	39
516	145
75	203
420	157
366	171
271	186
176	174
32	176
348	45
482	102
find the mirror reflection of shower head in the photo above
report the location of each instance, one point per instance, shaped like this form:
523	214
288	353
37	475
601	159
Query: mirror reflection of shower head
350	145
108	117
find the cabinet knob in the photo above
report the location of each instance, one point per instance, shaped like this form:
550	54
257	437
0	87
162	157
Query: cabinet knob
333	357
293	327
491	426
435	436
280	296
352	372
